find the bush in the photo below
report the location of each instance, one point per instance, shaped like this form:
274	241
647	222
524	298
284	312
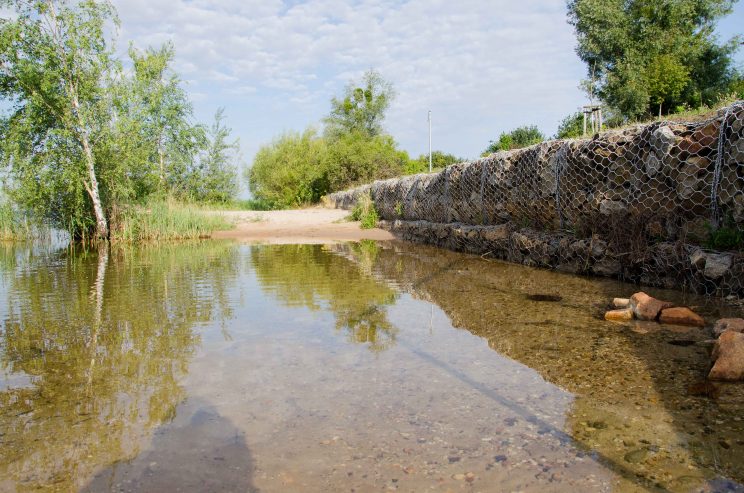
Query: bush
290	171
571	127
365	212
516	139
355	159
298	169
439	161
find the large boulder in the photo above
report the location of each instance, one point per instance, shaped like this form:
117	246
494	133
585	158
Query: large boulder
681	316
728	354
646	307
724	324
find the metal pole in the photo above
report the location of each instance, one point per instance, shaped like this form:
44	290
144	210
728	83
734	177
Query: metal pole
584	112
429	118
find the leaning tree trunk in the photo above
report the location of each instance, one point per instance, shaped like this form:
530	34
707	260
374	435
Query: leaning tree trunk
91	185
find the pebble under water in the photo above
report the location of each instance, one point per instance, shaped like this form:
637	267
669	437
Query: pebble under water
218	366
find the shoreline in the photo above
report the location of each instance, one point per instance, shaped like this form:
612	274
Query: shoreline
311	225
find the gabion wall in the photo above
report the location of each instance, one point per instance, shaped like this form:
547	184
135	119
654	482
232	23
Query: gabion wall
680	178
634	204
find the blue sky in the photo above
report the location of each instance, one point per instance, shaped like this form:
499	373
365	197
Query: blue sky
481	66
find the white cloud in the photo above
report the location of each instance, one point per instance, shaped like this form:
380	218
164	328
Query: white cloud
482	66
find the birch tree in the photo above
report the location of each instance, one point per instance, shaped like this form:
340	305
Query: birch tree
54	66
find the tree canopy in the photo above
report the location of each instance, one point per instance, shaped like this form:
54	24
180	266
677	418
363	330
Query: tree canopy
299	168
82	137
648	56
362	106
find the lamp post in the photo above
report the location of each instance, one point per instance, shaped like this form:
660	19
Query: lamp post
429	118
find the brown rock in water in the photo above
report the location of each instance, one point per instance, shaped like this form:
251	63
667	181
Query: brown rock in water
646	307
681	316
620	302
724	324
728	354
619	315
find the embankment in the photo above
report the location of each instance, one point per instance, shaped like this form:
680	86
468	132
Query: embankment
640	204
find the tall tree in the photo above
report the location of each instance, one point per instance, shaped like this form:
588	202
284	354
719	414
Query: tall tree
215	179
165	112
651	54
362	107
54	62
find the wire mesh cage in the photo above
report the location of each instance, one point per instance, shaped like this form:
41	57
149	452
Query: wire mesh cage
633	203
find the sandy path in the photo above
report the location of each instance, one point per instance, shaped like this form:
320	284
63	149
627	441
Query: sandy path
315	225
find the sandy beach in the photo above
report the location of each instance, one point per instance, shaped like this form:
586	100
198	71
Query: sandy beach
312	225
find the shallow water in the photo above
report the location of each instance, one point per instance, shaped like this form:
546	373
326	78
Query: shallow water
215	366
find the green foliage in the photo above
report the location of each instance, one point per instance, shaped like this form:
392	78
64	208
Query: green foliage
15	226
571	126
516	139
290	171
355	158
365	212
361	109
165	220
213	177
298	169
645	56
82	138
439	161
727	237
313	277
55	66
155	99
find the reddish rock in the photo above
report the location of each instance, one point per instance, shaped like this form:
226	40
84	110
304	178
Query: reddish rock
724	324
728	355
646	307
681	316
619	315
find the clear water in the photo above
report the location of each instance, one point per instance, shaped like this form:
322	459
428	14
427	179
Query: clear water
215	366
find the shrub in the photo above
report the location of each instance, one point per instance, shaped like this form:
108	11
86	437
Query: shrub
365	212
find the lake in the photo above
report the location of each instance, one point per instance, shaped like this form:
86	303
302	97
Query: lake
370	366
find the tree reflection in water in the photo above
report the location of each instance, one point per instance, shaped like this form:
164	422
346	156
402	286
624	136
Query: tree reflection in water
314	277
99	340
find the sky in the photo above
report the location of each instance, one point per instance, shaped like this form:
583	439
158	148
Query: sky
481	66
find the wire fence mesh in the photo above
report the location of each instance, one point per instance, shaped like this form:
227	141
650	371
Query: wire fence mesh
627	203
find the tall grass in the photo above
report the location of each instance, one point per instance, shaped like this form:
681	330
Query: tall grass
165	220
15	226
364	211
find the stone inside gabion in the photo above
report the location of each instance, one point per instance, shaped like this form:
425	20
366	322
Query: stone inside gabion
630	203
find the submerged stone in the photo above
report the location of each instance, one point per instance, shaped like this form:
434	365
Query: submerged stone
646	307
728	354
624	315
724	324
681	316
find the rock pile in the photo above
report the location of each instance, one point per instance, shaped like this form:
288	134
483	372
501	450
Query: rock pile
728	349
641	306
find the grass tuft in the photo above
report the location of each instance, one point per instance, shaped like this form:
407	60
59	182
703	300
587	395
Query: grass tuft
15	226
365	212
